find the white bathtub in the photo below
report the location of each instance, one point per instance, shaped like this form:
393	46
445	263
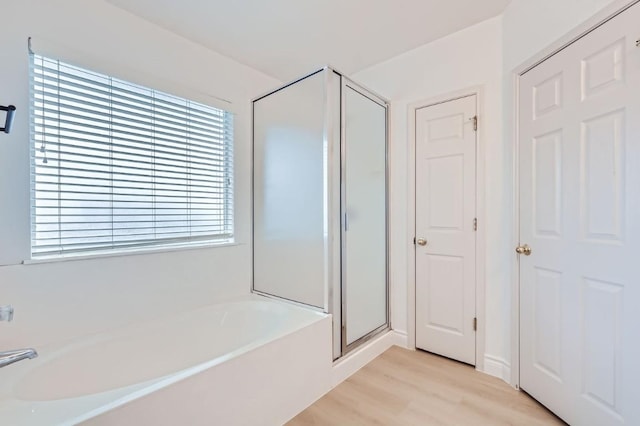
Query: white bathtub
248	361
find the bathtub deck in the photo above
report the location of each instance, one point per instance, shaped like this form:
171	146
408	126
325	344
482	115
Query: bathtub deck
403	387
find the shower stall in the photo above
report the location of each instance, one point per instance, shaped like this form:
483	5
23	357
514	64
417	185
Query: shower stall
320	202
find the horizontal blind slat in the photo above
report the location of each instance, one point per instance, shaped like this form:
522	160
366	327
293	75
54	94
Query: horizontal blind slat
168	125
213	165
106	146
74	122
96	88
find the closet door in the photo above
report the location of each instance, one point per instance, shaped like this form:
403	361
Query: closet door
364	265
579	149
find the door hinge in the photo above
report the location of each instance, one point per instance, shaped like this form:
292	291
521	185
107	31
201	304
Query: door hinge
475	224
475	324
474	119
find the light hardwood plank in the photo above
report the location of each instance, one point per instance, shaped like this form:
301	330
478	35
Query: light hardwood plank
403	387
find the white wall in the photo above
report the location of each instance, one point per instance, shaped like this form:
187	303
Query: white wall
59	300
471	57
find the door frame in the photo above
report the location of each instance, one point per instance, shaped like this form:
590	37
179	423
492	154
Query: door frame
480	263
512	127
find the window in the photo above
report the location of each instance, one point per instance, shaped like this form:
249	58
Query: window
117	165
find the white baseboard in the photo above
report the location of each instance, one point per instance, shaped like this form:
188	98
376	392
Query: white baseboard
343	368
401	339
497	367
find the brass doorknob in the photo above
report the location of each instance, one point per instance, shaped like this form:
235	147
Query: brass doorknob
422	242
525	249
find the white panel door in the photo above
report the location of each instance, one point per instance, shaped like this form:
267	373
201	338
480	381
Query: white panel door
445	214
579	214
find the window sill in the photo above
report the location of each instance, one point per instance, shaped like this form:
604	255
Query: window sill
132	251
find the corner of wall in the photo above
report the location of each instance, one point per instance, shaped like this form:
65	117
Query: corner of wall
497	367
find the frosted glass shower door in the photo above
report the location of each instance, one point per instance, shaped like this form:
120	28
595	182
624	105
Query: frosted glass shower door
290	218
364	259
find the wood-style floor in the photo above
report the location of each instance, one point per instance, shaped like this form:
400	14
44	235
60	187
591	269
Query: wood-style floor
403	387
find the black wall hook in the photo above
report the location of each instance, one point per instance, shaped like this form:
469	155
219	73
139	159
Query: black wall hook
9	119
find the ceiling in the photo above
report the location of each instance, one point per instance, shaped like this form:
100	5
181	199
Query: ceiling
288	38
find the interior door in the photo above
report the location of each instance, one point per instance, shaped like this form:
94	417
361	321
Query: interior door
445	229
579	214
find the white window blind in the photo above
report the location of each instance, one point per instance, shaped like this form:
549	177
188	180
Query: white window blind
117	165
